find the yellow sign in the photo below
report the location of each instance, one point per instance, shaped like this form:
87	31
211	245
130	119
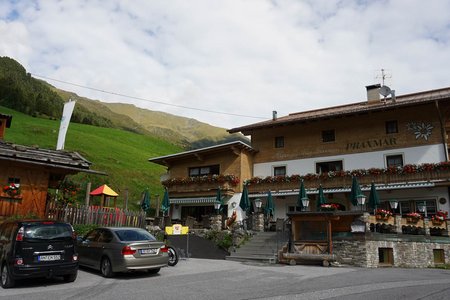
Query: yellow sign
177	229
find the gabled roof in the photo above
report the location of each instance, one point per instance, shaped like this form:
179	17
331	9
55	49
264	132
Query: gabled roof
232	146
8	119
349	109
50	158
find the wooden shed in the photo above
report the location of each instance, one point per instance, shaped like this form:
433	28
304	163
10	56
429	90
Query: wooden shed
26	174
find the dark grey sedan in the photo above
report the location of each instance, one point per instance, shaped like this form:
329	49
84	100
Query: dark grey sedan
121	249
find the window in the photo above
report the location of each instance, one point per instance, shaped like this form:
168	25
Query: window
394	160
279	142
386	256
408	206
14	180
279	171
204	171
438	256
391	127
328	166
328	136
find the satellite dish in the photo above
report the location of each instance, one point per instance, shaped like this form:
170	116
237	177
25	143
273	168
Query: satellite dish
385	91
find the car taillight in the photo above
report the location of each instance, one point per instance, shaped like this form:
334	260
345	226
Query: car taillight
75	257
128	251
18	261
19	236
164	248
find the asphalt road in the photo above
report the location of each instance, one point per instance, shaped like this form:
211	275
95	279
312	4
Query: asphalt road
218	279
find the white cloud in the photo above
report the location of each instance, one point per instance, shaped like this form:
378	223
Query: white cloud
240	57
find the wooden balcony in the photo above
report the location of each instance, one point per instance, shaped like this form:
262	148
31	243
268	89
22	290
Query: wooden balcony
280	183
204	188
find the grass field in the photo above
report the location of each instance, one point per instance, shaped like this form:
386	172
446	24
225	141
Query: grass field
122	155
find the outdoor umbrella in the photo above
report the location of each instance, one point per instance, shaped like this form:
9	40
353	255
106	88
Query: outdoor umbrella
355	191
245	202
219	199
321	198
145	203
301	195
374	200
270	207
165	202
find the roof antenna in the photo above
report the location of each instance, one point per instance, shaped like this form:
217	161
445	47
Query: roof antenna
385	90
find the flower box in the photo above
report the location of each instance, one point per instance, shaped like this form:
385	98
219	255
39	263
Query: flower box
437	222
412	219
382	218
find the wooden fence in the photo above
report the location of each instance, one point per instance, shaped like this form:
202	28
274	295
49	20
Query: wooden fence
102	216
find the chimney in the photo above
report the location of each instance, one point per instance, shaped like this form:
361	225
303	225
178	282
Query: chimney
373	93
393	96
5	122
274	115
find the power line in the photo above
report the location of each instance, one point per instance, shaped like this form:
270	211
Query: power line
147	100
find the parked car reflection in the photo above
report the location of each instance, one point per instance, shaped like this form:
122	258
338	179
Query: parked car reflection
121	249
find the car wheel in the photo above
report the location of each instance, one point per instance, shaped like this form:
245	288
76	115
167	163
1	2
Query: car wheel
173	257
70	277
154	271
106	268
6	280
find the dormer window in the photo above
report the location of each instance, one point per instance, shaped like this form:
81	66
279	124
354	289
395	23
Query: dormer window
391	127
279	142
328	136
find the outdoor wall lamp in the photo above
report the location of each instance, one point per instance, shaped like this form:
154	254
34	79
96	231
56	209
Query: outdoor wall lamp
258	204
361	200
233	205
422	207
393	204
217	207
305	202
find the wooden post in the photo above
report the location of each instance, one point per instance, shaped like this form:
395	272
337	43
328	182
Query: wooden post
330	239
88	190
126	199
157	206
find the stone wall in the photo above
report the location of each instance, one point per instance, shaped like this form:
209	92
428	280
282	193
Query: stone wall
410	252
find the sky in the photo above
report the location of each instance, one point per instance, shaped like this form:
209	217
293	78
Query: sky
230	63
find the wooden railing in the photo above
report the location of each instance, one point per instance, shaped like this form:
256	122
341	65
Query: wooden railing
203	187
346	181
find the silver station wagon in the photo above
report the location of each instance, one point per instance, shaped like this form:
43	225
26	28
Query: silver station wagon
121	249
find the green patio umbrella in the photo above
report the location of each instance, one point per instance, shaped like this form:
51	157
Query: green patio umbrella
355	191
321	198
245	202
165	202
374	200
145	203
270	207
219	199
301	195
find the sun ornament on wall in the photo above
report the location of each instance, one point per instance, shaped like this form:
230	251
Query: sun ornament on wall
420	129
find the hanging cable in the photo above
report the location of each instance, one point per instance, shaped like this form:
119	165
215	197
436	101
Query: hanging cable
147	100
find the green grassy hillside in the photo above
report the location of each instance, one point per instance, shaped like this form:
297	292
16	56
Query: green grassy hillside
121	154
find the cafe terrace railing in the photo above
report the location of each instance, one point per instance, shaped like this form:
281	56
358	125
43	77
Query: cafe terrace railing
406	174
408	225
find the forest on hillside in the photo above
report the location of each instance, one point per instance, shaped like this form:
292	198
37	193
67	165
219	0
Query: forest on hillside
21	92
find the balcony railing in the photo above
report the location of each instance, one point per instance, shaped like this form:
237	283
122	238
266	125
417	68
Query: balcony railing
343	179
202	184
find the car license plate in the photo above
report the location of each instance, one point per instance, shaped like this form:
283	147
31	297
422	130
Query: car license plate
49	257
148	251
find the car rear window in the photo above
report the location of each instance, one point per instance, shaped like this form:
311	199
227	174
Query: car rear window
50	231
129	235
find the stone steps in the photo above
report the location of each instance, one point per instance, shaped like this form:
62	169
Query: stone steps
262	247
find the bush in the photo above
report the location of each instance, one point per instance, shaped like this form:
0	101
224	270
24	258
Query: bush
222	239
82	229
